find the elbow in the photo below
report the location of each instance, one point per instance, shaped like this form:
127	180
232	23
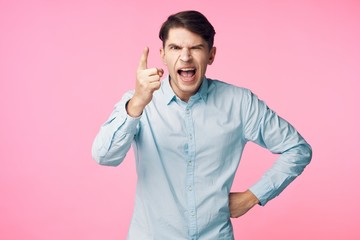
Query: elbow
104	161
307	153
100	160
107	159
109	154
95	153
310	155
101	155
96	156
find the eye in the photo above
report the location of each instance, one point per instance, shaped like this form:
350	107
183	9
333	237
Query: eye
199	47
173	47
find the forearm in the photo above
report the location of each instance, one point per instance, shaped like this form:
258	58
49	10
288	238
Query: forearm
286	168
115	136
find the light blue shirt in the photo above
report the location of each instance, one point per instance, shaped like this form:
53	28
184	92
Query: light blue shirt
187	155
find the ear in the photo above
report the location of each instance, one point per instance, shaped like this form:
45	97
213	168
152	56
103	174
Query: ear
162	55
212	55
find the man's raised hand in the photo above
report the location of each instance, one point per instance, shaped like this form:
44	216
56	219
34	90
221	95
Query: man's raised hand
147	81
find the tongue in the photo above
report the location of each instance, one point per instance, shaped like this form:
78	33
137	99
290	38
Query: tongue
187	73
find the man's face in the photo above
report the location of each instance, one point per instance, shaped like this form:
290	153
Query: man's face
186	56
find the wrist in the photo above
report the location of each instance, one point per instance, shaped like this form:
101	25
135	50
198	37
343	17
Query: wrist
252	198
134	108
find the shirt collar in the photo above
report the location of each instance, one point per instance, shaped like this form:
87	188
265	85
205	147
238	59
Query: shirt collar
169	94
167	91
203	91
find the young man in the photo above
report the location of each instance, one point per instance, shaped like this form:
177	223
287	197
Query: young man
188	133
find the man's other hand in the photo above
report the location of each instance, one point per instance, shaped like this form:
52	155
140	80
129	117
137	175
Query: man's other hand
241	202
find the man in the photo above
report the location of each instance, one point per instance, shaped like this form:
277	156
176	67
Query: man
188	133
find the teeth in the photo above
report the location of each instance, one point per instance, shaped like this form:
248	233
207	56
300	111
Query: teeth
187	69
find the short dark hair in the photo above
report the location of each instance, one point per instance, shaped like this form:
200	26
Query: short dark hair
191	20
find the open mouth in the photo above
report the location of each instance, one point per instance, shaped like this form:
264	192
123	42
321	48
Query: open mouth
187	72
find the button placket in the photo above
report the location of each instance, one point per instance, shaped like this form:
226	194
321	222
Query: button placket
190	167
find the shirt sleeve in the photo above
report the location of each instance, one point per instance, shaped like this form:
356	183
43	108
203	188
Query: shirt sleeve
114	139
264	127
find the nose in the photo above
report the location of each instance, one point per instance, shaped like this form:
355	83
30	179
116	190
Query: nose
185	55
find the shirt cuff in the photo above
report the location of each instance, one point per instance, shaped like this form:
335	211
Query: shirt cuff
262	192
128	123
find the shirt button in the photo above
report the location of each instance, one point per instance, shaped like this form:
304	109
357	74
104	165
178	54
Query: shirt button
190	188
189	163
192	213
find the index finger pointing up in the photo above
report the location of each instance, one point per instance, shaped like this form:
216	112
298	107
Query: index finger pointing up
143	59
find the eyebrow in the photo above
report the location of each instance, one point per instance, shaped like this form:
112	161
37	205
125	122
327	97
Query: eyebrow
172	45
192	47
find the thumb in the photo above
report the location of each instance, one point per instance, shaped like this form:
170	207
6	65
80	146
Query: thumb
160	72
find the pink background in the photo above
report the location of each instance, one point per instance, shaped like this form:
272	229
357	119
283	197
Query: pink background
64	64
